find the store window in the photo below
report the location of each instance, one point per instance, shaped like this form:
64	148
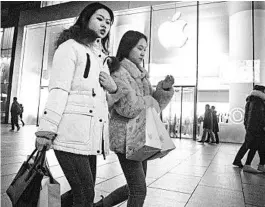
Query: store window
53	31
39	48
6	50
226	72
135	19
51	3
173	51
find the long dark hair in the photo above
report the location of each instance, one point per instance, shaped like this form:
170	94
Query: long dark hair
80	31
128	41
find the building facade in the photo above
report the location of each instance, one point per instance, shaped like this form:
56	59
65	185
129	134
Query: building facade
215	51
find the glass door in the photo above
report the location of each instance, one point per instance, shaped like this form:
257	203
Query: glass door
187	114
171	114
180	112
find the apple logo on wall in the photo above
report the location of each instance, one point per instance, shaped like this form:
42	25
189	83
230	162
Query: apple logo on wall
171	34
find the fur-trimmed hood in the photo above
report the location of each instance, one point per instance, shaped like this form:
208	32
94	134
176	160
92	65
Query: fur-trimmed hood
255	94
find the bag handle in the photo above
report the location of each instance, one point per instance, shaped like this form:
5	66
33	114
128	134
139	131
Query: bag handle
49	174
40	158
34	151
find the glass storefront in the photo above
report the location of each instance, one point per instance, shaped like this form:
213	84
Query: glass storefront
6	50
39	47
210	53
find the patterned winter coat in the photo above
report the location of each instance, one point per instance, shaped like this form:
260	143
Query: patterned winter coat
133	102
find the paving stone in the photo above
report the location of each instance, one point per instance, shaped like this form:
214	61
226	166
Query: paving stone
205	196
175	182
202	175
254	194
228	181
253	179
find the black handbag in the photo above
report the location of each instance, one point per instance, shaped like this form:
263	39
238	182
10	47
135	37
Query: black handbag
25	188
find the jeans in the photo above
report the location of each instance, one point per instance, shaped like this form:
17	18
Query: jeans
135	190
205	133
80	171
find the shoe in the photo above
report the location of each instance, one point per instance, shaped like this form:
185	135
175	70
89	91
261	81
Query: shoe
11	130
261	168
207	141
238	163
18	128
99	203
200	141
249	169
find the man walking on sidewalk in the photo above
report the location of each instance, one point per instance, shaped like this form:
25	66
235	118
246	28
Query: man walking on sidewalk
15	111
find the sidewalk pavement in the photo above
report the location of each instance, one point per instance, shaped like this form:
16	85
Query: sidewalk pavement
193	175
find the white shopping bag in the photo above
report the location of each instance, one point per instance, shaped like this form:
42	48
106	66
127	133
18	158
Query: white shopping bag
142	139
50	195
167	144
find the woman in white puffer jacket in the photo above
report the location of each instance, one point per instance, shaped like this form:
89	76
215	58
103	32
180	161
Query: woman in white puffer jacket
75	118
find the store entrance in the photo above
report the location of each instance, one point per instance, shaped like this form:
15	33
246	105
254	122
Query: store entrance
179	114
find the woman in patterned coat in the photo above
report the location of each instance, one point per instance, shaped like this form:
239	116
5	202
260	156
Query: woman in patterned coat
131	53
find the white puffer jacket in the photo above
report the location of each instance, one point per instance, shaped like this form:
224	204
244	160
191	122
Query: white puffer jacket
77	109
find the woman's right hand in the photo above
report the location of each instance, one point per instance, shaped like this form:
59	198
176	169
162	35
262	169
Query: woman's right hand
107	82
41	142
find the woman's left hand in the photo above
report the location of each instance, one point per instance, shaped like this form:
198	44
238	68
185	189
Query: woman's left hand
168	82
107	82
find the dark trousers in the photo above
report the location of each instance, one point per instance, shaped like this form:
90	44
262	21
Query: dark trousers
257	145
80	171
14	121
135	190
252	144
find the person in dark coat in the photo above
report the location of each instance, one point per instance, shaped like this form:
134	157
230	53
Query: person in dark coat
207	124
15	111
215	126
254	122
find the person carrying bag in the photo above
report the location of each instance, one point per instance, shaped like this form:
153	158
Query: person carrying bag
25	188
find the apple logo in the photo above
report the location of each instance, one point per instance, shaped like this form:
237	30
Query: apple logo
170	33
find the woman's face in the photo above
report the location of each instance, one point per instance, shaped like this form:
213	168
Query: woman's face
100	22
137	54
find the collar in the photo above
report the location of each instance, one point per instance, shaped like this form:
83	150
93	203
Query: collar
96	46
135	71
258	94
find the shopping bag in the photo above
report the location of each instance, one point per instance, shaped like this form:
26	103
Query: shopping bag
50	195
167	144
25	188
142	139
